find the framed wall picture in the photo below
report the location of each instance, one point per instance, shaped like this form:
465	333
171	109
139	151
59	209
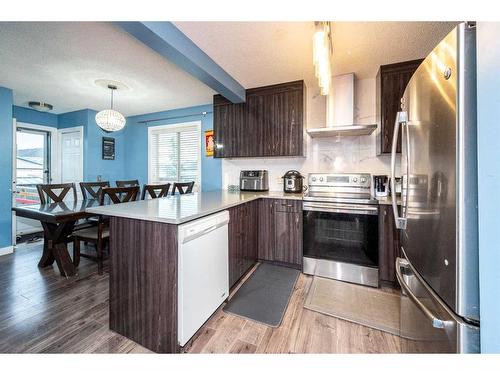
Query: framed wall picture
108	148
209	143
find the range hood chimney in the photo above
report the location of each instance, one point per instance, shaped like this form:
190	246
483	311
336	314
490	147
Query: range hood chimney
340	111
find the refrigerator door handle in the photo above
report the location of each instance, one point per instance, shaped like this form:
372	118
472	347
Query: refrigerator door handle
436	322
401	118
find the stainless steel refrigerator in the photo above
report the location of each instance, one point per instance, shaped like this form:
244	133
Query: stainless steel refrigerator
438	266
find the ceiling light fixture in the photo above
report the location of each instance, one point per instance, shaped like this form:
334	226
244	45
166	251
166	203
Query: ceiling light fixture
322	56
41	106
110	120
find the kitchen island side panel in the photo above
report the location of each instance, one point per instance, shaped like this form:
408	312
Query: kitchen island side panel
143	283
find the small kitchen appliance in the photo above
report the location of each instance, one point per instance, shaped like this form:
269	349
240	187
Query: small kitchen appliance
381	186
256	180
293	182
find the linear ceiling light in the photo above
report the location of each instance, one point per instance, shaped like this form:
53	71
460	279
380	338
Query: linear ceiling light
322	53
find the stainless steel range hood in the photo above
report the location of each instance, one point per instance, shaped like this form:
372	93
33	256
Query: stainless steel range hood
347	130
340	112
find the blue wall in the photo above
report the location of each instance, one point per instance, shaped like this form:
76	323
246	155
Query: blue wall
131	148
136	141
5	167
93	165
131	143
34	117
488	84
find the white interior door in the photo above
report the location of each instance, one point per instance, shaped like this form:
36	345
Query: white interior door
71	156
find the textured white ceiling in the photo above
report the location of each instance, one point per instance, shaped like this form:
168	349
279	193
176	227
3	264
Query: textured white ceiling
58	63
361	47
256	53
261	53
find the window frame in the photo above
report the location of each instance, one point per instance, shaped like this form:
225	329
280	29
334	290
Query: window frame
175	128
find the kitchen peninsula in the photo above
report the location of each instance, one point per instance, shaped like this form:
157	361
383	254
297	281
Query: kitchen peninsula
144	253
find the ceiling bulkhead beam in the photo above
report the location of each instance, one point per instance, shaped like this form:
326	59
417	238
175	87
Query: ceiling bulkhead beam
174	45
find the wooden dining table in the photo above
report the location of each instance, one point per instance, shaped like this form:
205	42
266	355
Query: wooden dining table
58	221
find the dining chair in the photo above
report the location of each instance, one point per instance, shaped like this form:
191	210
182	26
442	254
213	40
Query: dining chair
99	235
55	193
183	187
127	183
92	190
155	191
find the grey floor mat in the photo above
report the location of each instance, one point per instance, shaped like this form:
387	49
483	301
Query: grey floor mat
265	295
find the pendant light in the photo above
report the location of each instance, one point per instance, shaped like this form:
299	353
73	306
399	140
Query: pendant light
110	120
322	52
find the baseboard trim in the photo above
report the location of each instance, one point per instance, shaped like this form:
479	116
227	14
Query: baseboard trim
6	250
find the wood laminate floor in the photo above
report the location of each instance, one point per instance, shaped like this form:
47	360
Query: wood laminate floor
301	331
41	312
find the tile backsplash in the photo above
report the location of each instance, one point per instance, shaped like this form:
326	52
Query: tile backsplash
324	155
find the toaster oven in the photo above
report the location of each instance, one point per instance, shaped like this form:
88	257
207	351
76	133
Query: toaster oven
256	180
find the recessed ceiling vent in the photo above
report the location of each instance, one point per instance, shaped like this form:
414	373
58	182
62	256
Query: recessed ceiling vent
41	106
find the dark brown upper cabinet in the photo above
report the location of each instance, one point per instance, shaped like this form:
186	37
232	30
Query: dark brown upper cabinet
270	122
391	84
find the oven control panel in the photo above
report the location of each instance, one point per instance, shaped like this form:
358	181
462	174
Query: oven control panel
340	179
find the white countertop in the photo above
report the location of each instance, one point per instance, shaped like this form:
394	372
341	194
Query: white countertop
182	208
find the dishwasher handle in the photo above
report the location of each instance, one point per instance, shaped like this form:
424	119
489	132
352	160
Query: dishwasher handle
194	231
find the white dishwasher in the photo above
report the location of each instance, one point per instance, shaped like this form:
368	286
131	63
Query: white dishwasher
203	271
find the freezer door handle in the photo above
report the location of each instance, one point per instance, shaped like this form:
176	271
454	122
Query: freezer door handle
436	322
401	119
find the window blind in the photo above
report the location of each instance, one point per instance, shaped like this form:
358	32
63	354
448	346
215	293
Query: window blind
174	154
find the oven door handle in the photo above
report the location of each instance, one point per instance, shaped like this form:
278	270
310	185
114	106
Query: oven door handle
348	209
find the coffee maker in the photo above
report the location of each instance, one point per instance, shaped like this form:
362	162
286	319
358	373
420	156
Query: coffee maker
381	186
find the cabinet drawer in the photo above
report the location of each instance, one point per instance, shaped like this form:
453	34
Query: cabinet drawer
282	205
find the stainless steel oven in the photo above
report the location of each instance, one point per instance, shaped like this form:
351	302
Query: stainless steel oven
341	228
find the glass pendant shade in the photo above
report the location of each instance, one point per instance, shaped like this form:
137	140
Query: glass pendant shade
110	120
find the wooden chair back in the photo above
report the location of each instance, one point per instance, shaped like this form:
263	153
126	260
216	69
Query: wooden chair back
119	194
127	183
183	187
155	191
48	193
92	189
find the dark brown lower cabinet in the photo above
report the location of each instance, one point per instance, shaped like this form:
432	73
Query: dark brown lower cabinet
280	232
388	245
143	283
266	229
243	239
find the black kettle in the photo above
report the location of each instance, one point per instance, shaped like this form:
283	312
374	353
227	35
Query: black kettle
293	182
